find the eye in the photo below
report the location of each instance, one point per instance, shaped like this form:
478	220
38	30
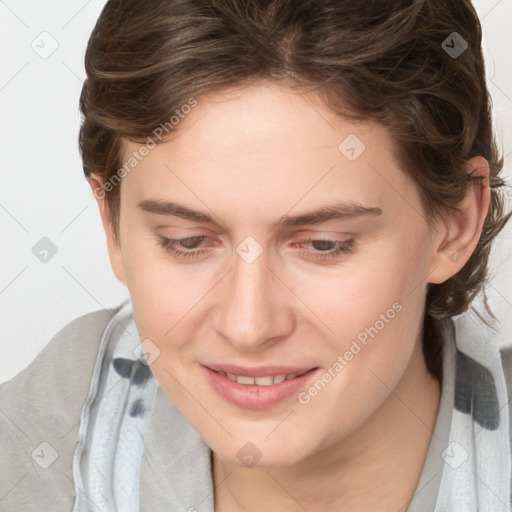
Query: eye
188	244
328	249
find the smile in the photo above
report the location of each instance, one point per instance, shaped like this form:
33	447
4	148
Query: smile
267	380
258	391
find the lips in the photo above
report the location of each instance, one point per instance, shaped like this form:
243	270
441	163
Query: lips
252	388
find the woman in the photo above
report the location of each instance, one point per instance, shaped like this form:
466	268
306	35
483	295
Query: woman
301	198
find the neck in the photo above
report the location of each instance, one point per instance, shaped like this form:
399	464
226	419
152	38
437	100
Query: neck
377	467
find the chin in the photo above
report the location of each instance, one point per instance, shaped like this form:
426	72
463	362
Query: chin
260	454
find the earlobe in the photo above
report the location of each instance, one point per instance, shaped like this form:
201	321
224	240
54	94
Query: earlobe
113	245
463	227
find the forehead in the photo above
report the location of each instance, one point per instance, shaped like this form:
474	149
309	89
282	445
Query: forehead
267	144
268	112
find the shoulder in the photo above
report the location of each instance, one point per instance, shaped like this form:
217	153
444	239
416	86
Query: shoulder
506	359
67	358
40	414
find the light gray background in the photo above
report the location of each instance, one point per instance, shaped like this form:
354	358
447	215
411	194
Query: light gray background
43	192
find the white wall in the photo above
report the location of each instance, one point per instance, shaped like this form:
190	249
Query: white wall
43	192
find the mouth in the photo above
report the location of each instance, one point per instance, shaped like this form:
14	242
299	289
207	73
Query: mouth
257	388
266	380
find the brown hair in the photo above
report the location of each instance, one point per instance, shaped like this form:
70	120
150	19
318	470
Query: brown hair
383	61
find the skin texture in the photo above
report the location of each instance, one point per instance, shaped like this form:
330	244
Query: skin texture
248	157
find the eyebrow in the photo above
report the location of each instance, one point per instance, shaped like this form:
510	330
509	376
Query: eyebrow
335	212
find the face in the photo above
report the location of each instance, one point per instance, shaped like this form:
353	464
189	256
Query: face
270	238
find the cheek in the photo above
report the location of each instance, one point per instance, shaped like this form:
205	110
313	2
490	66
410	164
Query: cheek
354	296
371	314
376	325
161	293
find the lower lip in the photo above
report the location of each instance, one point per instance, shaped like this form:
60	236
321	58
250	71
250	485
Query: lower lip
253	396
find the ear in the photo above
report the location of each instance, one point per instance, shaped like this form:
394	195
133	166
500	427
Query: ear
113	245
460	232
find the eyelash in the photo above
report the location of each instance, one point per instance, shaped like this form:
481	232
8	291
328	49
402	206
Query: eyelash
341	247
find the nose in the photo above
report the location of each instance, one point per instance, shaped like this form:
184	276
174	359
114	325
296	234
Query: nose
254	306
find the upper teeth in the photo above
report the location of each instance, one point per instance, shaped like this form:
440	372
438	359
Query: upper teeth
259	381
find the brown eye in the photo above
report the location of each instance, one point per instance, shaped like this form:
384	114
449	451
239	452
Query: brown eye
323	245
191	242
325	250
191	247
